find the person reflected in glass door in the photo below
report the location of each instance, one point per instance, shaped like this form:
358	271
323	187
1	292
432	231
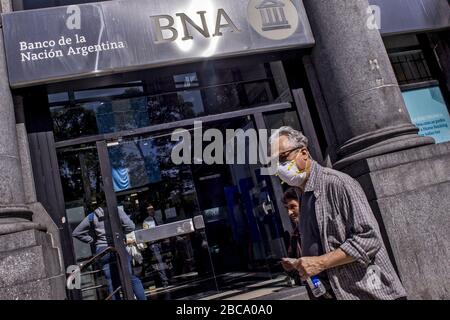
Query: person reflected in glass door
155	248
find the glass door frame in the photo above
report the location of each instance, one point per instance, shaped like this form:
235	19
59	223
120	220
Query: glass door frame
113	226
112	221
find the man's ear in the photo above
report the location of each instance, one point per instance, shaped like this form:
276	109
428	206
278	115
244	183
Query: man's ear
305	152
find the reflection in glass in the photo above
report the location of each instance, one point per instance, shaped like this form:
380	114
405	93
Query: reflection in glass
280	119
167	99
98	93
81	179
178	265
187	80
242	240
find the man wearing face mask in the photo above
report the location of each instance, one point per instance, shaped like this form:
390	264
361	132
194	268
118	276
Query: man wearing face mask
341	240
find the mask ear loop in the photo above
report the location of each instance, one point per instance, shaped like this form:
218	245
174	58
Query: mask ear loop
291	164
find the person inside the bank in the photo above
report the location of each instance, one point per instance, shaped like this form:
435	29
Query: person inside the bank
155	248
340	238
92	230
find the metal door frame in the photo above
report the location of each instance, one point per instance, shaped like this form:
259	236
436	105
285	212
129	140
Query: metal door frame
113	227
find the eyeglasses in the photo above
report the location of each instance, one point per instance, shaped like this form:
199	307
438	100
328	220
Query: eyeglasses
283	157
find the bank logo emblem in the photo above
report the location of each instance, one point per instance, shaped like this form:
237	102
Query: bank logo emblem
273	19
272	15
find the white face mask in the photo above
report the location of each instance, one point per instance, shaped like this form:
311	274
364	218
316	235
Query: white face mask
291	174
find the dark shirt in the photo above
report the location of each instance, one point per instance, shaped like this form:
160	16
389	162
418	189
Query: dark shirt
309	229
295	250
309	232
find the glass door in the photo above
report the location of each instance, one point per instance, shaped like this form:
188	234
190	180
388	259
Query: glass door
81	181
242	239
235	199
160	197
116	143
202	228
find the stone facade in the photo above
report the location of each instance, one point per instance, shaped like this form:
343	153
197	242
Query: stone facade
30	257
406	177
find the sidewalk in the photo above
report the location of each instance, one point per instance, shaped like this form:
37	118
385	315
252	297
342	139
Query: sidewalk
275	289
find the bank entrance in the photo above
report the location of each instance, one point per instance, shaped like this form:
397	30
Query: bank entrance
216	229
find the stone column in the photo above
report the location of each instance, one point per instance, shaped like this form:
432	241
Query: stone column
14	214
30	263
364	101
406	177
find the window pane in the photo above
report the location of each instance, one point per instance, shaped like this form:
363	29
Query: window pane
58	97
187	80
410	67
212	90
73	122
429	112
80	178
98	93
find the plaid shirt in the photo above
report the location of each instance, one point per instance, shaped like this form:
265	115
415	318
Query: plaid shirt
346	221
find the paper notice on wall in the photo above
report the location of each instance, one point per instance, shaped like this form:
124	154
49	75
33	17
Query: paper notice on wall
171	213
159	217
429	112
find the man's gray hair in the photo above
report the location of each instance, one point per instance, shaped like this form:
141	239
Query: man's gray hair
296	138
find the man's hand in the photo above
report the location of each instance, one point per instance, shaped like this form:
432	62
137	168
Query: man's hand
309	266
287	265
312	266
